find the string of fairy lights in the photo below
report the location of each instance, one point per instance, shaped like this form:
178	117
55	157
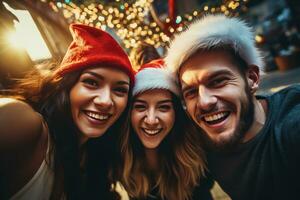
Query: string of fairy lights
132	21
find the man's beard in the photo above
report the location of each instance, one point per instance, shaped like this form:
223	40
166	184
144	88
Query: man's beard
229	143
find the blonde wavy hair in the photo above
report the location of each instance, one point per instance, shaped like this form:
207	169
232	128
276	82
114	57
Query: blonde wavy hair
181	158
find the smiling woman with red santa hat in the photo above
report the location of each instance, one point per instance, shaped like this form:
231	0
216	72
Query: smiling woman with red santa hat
58	130
161	156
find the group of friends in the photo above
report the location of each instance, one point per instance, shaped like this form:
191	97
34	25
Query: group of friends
166	131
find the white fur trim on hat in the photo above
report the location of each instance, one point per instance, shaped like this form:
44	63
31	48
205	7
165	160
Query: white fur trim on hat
154	78
214	31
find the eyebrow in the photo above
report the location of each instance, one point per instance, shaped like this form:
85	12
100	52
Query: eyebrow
220	72
165	101
211	75
99	76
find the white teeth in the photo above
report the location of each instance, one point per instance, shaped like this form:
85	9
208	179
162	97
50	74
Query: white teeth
151	131
97	116
214	117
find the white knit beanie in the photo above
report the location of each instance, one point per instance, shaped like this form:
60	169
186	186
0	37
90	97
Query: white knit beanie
154	75
214	31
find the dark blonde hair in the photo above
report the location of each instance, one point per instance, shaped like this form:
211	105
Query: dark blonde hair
181	159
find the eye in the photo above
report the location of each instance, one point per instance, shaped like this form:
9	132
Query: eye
90	82
139	107
218	82
190	93
121	91
165	107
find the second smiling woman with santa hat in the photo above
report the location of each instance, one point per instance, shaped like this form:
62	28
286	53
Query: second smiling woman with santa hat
161	156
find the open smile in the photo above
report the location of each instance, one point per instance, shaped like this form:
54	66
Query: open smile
152	132
215	118
96	116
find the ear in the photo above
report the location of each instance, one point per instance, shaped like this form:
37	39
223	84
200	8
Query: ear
253	78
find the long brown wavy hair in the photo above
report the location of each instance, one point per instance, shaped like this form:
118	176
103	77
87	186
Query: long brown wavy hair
181	158
49	95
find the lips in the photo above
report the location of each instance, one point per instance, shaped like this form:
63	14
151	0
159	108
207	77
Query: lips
101	117
215	118
152	132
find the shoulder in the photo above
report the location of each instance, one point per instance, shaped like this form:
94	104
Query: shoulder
284	105
289	95
288	104
23	142
19	123
287	117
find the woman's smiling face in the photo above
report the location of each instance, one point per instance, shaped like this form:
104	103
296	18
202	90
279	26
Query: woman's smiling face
98	99
153	116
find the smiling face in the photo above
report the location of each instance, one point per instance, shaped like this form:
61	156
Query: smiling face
98	99
217	97
153	116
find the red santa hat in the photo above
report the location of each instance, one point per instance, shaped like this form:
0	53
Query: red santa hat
154	75
93	47
214	31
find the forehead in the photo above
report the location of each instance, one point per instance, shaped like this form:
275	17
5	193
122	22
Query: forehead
107	72
203	64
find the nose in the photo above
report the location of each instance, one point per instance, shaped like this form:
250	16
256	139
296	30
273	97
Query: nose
103	99
206	99
151	117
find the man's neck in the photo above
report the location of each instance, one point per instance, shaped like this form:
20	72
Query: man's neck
260	110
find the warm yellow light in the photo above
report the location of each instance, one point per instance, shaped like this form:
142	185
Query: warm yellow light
13	39
179	29
133	25
101	18
130	18
259	38
100	6
27	35
104	12
223	8
110	10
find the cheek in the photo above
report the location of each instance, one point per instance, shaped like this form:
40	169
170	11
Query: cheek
169	119
74	100
190	105
121	104
135	119
78	95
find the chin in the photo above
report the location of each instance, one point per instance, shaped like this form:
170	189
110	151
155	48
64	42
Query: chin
95	134
147	146
222	142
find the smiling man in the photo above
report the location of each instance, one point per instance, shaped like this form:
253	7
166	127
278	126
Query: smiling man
252	142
